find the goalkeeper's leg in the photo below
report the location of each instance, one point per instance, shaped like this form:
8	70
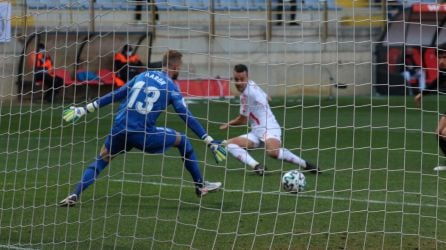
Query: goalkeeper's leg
189	158
90	174
191	164
88	178
165	138
113	145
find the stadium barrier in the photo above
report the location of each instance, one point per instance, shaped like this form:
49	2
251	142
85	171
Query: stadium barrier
205	88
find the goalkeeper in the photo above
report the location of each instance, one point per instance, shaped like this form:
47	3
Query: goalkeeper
143	99
265	130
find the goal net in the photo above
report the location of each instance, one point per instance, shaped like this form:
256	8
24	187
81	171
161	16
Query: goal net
341	79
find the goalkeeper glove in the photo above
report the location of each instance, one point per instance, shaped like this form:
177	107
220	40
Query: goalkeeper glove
217	149
72	114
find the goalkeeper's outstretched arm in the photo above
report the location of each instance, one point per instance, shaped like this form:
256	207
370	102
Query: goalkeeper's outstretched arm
218	151
73	114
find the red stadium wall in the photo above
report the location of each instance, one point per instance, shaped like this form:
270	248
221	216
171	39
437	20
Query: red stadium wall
209	88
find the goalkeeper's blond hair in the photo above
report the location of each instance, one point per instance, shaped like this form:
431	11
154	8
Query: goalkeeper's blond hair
172	57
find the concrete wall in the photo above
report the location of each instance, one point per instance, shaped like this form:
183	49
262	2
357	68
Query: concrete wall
8	67
306	59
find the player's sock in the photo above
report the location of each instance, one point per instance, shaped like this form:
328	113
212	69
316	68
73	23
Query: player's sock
242	155
190	160
90	174
286	155
442	144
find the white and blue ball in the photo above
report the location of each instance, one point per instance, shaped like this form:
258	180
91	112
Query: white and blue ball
293	181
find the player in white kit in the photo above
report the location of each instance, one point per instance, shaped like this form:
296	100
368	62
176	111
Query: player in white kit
265	130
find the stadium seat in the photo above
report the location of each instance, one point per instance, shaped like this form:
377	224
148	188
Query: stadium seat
260	5
430	65
319	5
106	76
65	75
37	4
394	58
176	5
70	4
108	4
86	82
233	5
226	5
162	4
59	4
197	4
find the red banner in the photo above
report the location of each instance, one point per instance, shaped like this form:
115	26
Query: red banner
420	7
198	88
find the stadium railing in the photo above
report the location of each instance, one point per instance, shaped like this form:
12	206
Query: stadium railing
219	5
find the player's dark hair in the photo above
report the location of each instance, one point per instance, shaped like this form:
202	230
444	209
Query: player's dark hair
239	68
126	48
442	48
172	57
40	46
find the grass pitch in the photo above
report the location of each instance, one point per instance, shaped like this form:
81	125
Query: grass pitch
378	189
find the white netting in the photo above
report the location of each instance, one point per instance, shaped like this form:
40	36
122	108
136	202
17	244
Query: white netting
335	71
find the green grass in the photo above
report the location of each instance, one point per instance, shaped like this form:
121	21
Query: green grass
378	189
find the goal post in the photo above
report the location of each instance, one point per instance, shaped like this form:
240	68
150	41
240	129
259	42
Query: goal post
335	72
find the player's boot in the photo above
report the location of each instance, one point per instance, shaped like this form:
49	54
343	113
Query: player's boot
70	201
207	187
259	169
312	168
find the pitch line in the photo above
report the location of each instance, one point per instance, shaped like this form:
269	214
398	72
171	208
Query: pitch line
321	197
14	247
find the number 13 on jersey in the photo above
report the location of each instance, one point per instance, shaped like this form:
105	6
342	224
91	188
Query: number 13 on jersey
151	94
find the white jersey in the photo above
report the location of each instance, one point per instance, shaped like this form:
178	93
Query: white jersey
254	105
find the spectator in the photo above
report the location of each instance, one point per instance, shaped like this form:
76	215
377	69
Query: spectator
138	9
280	7
127	64
414	75
45	75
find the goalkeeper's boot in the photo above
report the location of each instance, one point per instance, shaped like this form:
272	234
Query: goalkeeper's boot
207	187
259	169
312	168
70	201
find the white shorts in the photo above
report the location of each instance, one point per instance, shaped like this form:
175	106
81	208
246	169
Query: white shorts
259	136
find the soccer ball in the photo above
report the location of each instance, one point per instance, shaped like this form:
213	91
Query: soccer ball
293	181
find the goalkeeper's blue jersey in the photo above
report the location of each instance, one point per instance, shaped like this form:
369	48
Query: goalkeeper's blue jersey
143	99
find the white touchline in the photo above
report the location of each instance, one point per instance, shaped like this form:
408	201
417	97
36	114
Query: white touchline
14	247
440	168
322	197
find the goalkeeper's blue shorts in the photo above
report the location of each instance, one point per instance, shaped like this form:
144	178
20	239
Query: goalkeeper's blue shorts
155	140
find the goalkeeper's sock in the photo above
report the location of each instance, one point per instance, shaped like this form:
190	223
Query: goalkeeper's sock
189	159
442	144
90	174
242	155
286	155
